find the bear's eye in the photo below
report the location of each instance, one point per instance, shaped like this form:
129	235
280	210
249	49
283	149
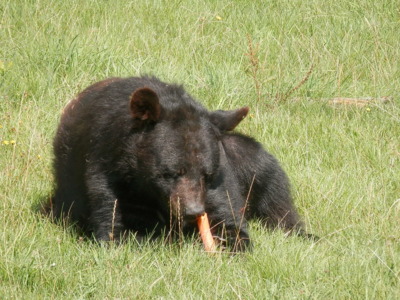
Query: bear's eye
169	175
172	174
181	172
208	176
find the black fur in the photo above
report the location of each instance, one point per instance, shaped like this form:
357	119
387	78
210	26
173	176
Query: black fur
137	154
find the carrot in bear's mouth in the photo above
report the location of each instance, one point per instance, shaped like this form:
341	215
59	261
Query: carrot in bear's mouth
205	233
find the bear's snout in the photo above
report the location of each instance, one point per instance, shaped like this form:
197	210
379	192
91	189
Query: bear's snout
193	210
187	199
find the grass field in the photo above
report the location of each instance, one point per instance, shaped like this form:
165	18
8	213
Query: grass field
286	60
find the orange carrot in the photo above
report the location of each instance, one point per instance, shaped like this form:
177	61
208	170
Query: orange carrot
205	233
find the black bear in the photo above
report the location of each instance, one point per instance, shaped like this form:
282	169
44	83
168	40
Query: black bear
137	154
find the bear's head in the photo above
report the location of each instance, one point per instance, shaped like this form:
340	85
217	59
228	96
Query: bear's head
179	151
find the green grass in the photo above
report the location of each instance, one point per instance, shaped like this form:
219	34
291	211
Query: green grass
343	161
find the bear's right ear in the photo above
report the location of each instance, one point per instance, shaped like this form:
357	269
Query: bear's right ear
227	120
145	105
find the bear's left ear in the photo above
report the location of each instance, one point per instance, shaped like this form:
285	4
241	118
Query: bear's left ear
227	120
145	105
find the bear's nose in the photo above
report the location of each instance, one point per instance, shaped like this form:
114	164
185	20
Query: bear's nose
194	210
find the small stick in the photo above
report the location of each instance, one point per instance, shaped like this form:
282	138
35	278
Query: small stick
292	90
111	234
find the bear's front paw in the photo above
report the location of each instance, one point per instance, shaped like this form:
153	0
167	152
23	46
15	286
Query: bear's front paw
235	242
240	244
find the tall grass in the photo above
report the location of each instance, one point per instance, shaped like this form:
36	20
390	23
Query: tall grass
343	160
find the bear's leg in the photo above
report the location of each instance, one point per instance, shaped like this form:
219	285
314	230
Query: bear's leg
105	218
70	201
273	205
227	218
